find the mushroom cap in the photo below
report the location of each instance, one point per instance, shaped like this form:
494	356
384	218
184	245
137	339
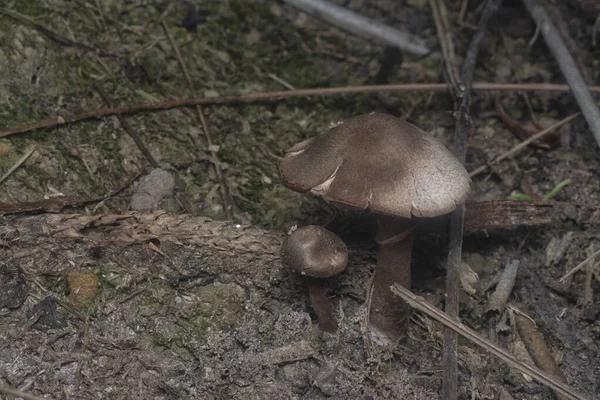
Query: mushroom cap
379	162
314	251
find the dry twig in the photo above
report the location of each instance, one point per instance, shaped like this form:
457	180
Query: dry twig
523	144
56	204
588	291
16	166
568	67
460	88
139	143
422	305
227	205
578	267
450	353
51	34
361	26
276	96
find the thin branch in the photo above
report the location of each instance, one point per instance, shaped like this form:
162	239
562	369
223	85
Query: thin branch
588	291
460	88
422	305
279	95
578	267
217	165
16	166
568	67
457	218
523	144
56	204
139	143
361	26
442	25
450	355
52	35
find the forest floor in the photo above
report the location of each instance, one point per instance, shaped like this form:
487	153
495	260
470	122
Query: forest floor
224	330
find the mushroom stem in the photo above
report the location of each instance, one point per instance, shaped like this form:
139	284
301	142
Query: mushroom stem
320	303
389	314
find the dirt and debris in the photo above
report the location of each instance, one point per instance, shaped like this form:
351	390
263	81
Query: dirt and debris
187	307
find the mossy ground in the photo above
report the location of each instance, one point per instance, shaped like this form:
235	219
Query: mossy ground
242	47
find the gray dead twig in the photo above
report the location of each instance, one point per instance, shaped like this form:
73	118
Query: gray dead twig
224	187
460	86
138	141
457	218
588	291
422	305
504	288
16	166
361	26
568	67
523	144
578	267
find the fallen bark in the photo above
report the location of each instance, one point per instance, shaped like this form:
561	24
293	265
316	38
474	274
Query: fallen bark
487	215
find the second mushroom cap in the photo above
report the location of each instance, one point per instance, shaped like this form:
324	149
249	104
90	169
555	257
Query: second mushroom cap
315	252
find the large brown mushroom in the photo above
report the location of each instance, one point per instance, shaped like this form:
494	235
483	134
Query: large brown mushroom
381	163
316	253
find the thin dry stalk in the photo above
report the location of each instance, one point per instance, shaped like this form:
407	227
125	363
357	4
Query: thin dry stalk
450	354
53	35
56	204
360	26
567	65
460	87
217	165
277	96
138	141
523	144
422	305
578	267
16	166
588	291
440	17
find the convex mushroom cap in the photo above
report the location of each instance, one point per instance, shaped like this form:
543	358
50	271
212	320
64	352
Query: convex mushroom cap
314	251
379	162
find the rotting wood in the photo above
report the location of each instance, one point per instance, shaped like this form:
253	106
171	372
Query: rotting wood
483	216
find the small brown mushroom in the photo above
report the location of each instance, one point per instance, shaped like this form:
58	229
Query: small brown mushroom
381	163
317	253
